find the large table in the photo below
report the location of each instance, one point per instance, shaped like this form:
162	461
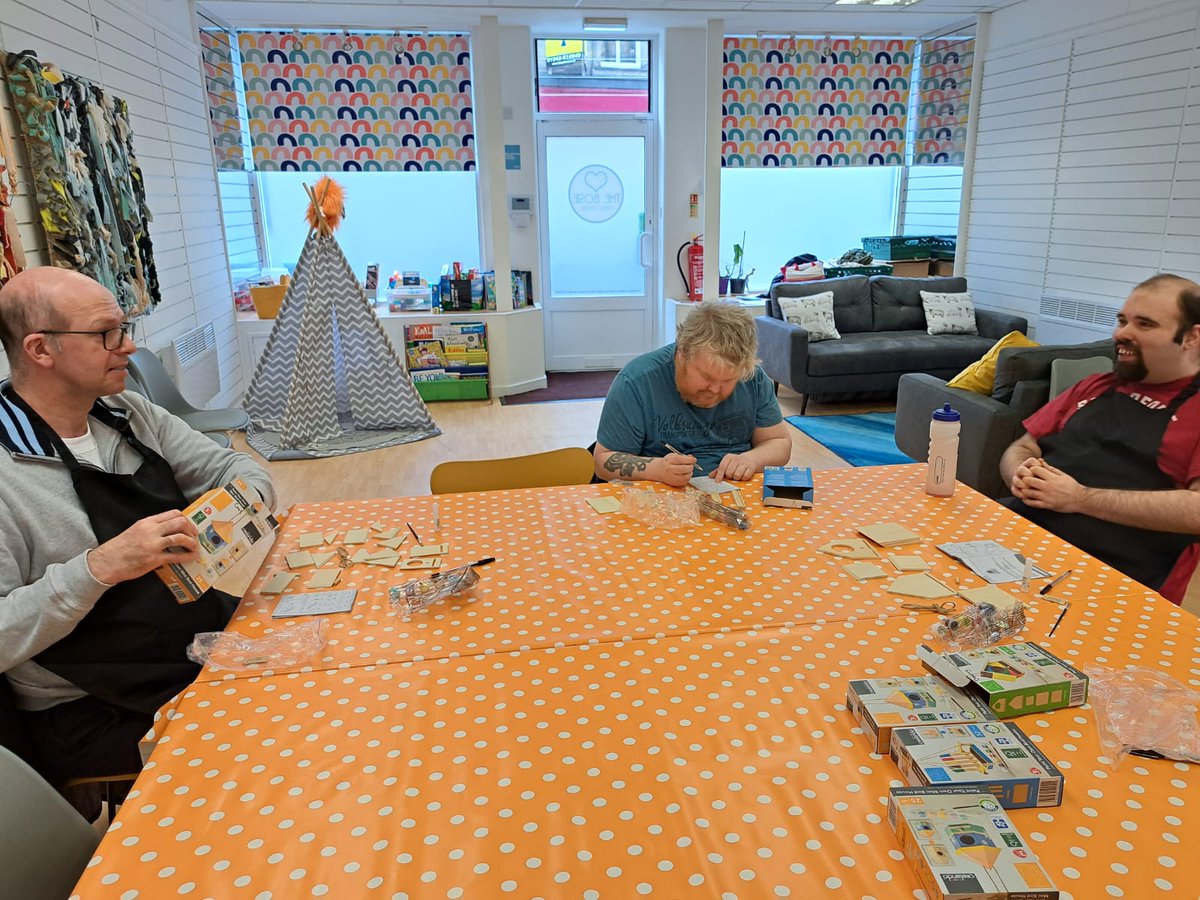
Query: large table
622	712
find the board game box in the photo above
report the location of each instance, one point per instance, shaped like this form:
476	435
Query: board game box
881	704
790	486
1014	679
993	756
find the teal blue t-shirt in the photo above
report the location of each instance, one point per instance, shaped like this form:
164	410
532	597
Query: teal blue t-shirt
644	412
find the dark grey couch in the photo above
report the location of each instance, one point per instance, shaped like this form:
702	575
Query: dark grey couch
883	334
989	424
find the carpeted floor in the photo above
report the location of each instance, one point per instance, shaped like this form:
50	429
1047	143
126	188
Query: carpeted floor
566	386
867	439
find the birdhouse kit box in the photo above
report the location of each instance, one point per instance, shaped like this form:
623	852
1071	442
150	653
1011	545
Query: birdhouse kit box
1014	679
993	756
881	704
964	845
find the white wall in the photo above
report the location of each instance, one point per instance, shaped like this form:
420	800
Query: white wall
1087	173
145	51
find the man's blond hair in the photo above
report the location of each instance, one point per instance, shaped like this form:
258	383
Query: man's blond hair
724	329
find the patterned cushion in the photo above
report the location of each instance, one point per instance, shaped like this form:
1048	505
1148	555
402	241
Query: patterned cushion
813	313
949	313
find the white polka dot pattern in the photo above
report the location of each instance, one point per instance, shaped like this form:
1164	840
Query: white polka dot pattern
687	737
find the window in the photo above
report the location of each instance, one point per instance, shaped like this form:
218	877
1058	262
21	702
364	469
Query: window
401	220
580	76
787	212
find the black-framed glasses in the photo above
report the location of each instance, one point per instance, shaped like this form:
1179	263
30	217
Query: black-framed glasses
113	338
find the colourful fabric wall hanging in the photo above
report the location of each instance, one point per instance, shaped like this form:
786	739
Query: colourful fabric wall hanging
943	101
358	102
86	181
221	94
12	259
812	102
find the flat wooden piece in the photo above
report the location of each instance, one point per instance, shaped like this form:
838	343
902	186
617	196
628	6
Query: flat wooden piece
325	578
604	505
278	582
849	548
312	539
909	563
427	563
429	550
331	536
357	536
379	526
865	571
989	593
394	542
389	560
319	559
889	534
920	585
386	534
299	559
361	556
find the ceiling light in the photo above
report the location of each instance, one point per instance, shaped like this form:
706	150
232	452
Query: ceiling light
596	23
875	2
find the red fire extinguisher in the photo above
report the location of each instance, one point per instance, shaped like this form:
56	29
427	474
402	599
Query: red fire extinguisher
693	278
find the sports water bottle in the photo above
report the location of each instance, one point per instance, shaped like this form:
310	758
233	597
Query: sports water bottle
943	452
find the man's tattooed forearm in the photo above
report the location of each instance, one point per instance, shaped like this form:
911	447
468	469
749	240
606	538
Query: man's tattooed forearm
626	463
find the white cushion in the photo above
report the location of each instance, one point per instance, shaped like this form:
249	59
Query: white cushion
813	313
949	313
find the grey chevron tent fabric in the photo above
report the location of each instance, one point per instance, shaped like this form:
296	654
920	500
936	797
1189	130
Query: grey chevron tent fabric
329	381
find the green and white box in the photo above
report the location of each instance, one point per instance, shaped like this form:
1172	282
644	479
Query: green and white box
964	846
881	704
1015	679
993	756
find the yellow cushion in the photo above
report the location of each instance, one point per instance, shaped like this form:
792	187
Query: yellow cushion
981	375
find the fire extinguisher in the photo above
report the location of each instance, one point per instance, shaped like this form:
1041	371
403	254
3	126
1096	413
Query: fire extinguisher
693	278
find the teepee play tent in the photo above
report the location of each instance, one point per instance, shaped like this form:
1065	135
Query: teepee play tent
329	381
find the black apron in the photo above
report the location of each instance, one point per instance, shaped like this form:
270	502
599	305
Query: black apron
1113	443
129	650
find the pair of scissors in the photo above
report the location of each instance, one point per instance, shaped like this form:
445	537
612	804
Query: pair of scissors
942	609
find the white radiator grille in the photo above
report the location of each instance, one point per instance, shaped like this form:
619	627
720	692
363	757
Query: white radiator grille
191	361
1064	321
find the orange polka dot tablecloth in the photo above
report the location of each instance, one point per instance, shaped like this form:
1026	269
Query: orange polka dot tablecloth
714	765
619	712
566	575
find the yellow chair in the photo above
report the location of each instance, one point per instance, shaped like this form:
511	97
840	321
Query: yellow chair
570	465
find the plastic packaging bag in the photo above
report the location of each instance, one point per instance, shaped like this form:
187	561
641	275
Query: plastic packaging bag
1144	712
290	646
660	510
979	625
416	596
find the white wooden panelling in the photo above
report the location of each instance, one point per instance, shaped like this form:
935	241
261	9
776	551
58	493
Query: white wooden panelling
1123	176
149	56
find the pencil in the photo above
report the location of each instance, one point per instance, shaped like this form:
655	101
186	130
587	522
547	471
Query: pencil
414	534
1046	589
695	465
1066	606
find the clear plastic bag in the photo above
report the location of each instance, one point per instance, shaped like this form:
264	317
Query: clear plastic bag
1144	712
416	596
290	646
978	625
660	510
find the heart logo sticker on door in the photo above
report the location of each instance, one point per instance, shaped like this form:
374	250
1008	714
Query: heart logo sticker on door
595	179
596	193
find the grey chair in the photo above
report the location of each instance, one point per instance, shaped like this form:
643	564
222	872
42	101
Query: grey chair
1065	373
989	423
156	384
44	843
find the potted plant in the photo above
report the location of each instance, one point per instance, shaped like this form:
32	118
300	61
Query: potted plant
737	283
723	280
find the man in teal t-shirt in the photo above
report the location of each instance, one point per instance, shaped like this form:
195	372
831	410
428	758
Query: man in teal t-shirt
703	400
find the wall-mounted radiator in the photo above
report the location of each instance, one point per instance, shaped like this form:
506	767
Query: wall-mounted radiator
191	361
1064	321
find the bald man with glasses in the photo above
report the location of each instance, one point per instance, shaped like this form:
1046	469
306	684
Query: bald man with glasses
93	479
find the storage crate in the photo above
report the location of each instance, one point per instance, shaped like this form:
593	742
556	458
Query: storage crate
839	271
896	247
910	268
452	389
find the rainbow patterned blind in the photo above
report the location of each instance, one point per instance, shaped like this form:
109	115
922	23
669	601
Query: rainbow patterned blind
358	102
942	102
217	54
812	102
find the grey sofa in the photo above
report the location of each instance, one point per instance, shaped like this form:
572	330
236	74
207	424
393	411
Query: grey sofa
882	327
989	424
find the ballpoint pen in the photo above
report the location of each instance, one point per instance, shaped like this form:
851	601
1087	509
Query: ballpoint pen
1046	588
695	465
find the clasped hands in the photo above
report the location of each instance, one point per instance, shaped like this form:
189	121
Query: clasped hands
1039	484
677	469
167	537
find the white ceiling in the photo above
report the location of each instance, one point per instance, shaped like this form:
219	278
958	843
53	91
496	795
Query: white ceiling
925	17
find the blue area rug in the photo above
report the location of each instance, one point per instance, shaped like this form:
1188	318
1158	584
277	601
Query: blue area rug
868	439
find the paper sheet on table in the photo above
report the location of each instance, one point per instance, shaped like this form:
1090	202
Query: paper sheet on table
991	561
709	486
318	604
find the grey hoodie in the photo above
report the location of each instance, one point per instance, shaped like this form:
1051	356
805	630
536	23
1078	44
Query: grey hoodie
45	584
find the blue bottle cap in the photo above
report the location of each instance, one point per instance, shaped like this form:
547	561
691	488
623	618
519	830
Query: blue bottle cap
946	414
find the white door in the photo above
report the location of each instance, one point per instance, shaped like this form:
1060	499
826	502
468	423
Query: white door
597	241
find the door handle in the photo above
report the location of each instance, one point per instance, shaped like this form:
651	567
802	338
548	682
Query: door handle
644	249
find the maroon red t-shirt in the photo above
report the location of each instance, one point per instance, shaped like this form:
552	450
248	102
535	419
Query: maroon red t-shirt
1178	455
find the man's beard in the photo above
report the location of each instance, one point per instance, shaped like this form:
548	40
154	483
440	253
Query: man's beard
1133	370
